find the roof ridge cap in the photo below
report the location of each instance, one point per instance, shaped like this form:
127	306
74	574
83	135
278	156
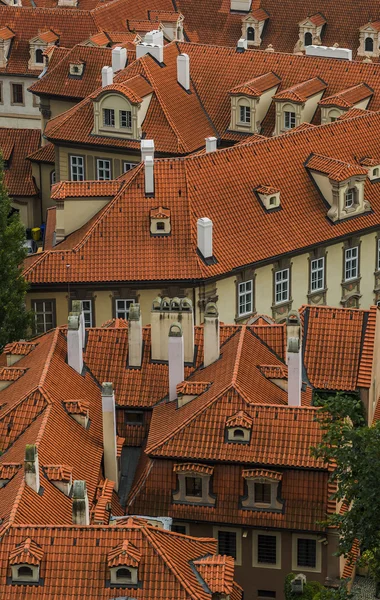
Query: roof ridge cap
48	358
238	355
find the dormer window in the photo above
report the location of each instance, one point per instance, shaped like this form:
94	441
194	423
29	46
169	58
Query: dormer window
108	117
25	561
160	221
245	114
289	119
193	485
39	56
250	102
124	575
253	25
125	119
373	167
123	563
310	31
268	196
369	39
250	34
263	490
368	44
76	69
298	103
350	197
25	574
308	40
38	45
238	428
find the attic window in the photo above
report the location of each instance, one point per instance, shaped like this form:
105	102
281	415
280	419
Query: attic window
368	46
262	493
76	69
308	39
123	574
273	201
263	490
25	573
160	226
108	117
239	428
39	56
250	34
125	119
375	172
239	434
160	221
350	197
193	484
194	487
268	196
289	119
245	114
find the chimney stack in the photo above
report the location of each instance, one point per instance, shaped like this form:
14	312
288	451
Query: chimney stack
149	175
211	334
176	359
81	510
183	71
119	58
31	467
294	345
135	342
242	45
153	44
147	149
74	343
109	434
211	143
204	227
107	76
76	306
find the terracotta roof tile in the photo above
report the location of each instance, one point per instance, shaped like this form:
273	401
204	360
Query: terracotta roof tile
193	468
6	33
302	91
218	573
160	213
125	554
348	98
257	473
318	19
259	14
352	113
59	472
239	419
192	388
21	348
266	189
11	373
256	87
367	354
16	145
28	553
337	170
85	189
45	154
9	470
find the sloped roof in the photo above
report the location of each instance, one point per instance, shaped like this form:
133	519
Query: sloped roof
337	170
256	87
218	573
302	91
349	97
16	145
45	154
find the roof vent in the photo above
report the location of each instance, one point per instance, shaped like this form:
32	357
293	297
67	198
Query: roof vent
147	149
211	143
149	175
242	45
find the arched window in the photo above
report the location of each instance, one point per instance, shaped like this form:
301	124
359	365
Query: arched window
368	45
239	433
39	56
123	574
25	572
349	199
250	34
308	39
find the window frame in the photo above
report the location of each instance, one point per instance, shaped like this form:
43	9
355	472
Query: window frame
280	283
89	311
133	423
318	553
103	168
215	532
318	269
350	260
290	115
21	86
111	113
246	120
125	310
52	312
53	177
121	115
244	293
38	62
131	166
351	192
186	526
378	253
73	157
255	548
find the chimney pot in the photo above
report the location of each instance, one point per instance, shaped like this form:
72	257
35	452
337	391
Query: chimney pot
31	467
294	355
149	175
80	508
211	143
147	149
176	359
211	335
183	71
204	227
242	44
74	343
135	336
107	76
109	433
119	58
153	44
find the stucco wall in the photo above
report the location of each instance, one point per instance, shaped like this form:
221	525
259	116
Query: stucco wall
63	172
20	116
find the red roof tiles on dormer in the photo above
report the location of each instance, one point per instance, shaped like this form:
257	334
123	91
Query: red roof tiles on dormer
59	472
9	470
45	154
352	113
48	36
259	14
239	419
77	407
318	19
266	189
160	213
6	33
274	371
125	554
218	573
192	388
19	348
301	92
253	473
193	468
256	87
28	553
85	189
335	169
348	98
11	373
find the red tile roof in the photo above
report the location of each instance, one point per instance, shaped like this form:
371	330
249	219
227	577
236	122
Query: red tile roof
257	473
192	388
27	552
125	554
301	92
274	371
318	19
45	154
218	573
337	170
6	33
366	358
352	113
193	468
16	145
59	472
10	373
256	87
239	419
85	189
348	98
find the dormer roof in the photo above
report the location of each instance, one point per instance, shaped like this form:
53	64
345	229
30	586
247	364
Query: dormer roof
192	388
11	373
164	16
336	170
77	407
9	470
349	97
318	19
6	33
258	14
265	473
368	161
160	213
267	190
20	348
218	573
48	37
28	553
257	86
59	472
240	419
375	25
301	92
274	371
135	89
126	554
193	468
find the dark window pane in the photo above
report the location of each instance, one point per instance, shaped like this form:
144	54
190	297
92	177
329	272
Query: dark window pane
179	528
194	486
306	553
263	493
266	549
227	543
265	594
17	93
135	418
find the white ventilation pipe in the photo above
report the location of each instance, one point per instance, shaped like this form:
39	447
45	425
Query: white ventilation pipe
74	343
149	175
211	144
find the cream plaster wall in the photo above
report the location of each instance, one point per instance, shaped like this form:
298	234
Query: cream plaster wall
226	290
61	302
367	269
264	289
310	107
19	116
77	212
334	272
300	280
145	298
103	307
63	172
57	107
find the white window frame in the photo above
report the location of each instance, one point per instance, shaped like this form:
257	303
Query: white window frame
76	168
102	169
245	297
244	114
238	558
317	274
121	118
279	285
255	549
349	198
87	312
44	312
351	263
318	553
128	166
378	255
125	310
110	113
289	119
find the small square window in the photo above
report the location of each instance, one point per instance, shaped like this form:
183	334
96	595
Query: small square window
122	308
160	226
194	486
263	493
132	417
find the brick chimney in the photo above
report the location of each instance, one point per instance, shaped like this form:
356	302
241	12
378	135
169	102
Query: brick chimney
183	71
119	58
176	359
294	346
74	343
107	76
135	342
76	307
31	467
81	510
211	334
109	434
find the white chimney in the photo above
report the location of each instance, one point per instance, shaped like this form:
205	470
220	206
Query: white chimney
119	58
76	306
149	176
176	359
183	71
242	45
135	341
211	334
109	434
147	149
80	508
154	37
74	343
211	143
31	467
294	345
153	44
204	226
107	76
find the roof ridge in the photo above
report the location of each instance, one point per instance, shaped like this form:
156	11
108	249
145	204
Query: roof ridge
238	355
49	357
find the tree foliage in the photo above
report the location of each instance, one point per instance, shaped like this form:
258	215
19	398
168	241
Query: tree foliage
14	318
354	449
